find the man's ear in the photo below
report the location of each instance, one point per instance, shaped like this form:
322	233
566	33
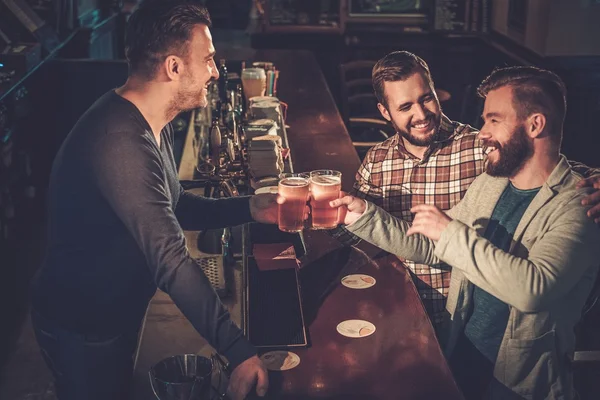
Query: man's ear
536	124
384	112
173	67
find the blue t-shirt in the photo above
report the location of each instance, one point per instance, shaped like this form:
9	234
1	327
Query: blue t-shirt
487	322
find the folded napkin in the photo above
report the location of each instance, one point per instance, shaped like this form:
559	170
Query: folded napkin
264	156
265	109
265	142
260	127
271	256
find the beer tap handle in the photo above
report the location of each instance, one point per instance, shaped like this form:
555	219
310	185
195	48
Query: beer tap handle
229	188
215	143
230	147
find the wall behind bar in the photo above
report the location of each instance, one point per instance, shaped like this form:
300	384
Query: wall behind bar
458	64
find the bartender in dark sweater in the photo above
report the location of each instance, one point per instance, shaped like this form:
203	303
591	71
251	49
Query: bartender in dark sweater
116	213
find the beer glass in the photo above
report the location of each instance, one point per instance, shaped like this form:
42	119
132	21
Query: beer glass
254	82
325	185
294	188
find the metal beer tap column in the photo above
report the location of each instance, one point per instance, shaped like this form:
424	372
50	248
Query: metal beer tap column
220	166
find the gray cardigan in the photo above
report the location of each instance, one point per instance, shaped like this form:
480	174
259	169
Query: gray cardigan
545	278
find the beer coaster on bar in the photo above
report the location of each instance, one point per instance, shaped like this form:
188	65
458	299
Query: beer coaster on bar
358	281
280	360
355	328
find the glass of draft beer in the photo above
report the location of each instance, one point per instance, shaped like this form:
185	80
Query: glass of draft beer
294	188
325	185
254	82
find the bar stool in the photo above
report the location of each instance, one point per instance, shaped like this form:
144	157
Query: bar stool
359	106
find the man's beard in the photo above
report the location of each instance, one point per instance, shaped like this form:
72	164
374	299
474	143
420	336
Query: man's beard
420	141
188	98
512	155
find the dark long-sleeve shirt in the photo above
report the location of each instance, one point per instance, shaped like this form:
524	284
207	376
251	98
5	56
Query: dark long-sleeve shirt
116	211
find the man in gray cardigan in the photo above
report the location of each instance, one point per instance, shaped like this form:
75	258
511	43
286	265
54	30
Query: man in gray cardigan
524	254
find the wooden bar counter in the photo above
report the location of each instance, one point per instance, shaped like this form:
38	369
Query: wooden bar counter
402	359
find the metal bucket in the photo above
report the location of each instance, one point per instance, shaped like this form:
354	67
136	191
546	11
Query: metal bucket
183	377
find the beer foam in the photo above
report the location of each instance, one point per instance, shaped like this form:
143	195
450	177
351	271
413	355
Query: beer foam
296	182
326	180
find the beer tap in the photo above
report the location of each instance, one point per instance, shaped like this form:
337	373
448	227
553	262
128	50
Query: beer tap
220	165
233	142
226	247
215	143
223	81
237	112
228	188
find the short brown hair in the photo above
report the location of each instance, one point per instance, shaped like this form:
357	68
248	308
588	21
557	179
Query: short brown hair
159	28
535	90
396	66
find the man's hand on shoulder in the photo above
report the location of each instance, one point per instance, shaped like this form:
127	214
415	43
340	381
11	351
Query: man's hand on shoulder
245	375
592	199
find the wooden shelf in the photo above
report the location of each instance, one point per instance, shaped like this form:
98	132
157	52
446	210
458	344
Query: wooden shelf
303	29
310	23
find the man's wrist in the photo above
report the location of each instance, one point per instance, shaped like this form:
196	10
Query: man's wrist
363	218
238	352
246	210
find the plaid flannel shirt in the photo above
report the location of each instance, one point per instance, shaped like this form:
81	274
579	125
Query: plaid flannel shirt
395	180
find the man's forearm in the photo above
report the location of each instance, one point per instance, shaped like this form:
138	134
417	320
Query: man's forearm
194	296
196	212
380	228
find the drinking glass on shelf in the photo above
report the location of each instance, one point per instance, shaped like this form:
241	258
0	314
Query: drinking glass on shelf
325	185
294	188
254	82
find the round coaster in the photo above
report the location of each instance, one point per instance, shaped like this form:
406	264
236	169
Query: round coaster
280	360
355	328
267	189
358	281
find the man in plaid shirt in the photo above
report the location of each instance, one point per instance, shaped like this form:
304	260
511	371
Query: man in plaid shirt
430	160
